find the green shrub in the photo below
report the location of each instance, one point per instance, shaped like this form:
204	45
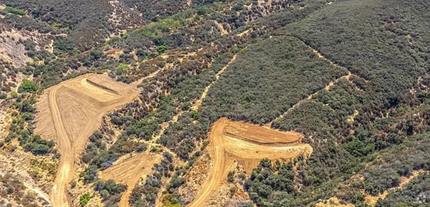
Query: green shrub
28	86
84	199
15	11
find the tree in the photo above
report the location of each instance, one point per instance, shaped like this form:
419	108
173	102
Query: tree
28	86
84	199
230	177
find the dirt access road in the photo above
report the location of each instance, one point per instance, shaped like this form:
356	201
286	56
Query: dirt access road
69	113
247	144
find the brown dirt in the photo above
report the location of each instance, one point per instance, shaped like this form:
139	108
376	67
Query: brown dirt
261	135
244	32
223	196
195	178
333	202
220	27
69	112
114	53
226	148
129	171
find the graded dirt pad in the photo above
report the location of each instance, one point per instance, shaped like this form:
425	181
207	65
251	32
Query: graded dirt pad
70	112
261	135
129	171
247	144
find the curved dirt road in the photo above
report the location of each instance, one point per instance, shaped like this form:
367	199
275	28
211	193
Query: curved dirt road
227	145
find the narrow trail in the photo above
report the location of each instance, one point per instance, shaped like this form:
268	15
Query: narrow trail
372	200
198	104
38	192
326	88
166	125
310	97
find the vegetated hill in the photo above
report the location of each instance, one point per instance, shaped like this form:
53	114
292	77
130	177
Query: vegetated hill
351	75
86	22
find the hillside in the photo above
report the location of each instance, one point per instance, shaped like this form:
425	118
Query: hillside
214	103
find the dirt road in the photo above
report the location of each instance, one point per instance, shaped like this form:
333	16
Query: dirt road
69	113
246	144
58	195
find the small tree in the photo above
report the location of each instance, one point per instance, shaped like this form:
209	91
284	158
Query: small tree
28	86
122	68
230	177
84	199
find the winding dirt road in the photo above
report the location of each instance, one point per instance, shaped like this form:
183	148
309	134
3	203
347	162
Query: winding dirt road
228	144
69	113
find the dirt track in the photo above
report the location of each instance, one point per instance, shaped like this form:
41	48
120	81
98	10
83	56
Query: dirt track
69	113
198	104
246	144
326	88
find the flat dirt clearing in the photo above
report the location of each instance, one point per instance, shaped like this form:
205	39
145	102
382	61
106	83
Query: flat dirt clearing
247	144
129	171
69	113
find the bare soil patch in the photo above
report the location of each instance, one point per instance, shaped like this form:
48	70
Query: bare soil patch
247	144
69	112
129	171
261	135
333	202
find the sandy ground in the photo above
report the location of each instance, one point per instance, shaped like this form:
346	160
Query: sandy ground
69	113
129	171
228	144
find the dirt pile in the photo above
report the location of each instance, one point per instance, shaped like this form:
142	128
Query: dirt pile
69	112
